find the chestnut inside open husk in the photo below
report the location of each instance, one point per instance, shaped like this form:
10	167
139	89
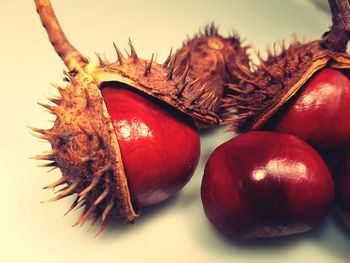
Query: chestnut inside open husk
147	136
266	184
319	113
303	90
125	134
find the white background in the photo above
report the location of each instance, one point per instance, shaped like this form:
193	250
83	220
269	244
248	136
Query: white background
176	231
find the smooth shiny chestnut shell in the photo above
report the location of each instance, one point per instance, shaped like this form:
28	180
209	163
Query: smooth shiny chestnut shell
302	89
160	146
319	114
125	131
265	184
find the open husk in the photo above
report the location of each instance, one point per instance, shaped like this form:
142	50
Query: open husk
266	87
84	145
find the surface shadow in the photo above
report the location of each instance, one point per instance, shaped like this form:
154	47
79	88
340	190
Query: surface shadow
337	240
269	244
188	197
329	235
117	229
324	235
207	131
339	225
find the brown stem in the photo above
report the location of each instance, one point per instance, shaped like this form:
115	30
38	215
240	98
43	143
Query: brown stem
338	37
69	54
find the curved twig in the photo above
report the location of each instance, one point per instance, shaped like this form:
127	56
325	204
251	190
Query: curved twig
71	57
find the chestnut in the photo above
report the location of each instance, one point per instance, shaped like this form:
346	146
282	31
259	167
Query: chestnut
342	186
265	184
125	132
319	114
303	89
159	145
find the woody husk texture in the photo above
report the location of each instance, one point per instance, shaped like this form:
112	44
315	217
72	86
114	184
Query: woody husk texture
214	61
84	145
266	87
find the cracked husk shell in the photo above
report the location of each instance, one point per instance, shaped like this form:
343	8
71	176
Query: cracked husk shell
213	60
84	145
85	148
159	81
263	91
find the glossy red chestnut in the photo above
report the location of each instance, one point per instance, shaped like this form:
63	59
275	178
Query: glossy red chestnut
342	185
160	147
320	113
265	184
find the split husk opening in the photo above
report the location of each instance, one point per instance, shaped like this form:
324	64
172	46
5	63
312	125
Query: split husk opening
278	78
84	144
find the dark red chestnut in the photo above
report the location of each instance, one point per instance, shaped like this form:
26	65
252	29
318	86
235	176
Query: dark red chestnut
124	134
342	185
265	184
302	90
160	146
320	113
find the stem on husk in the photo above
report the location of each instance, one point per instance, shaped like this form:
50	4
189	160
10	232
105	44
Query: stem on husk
69	54
338	37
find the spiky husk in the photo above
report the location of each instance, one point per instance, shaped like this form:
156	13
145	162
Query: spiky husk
262	91
164	82
84	147
181	92
213	60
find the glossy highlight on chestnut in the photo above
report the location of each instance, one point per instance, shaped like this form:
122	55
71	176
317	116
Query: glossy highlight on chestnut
125	134
302	89
148	134
265	184
319	114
